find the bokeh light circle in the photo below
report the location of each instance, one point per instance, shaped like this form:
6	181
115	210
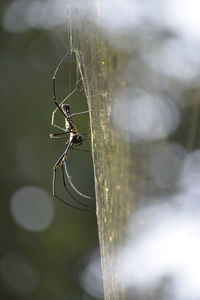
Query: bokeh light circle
18	273
32	208
144	116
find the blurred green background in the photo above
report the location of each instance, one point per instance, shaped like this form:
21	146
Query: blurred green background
44	244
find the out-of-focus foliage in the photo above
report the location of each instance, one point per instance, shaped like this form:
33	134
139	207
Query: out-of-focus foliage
43	243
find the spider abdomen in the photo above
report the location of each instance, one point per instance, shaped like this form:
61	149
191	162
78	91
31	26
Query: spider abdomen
77	139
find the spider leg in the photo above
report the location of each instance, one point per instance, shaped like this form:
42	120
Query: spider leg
59	163
70	205
80	113
83	150
65	185
54	79
60	199
58	135
64	169
71	183
54	92
59	107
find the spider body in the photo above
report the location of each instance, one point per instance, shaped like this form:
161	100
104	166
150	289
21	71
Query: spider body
69	124
70	127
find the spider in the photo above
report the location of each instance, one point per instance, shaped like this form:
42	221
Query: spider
75	138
